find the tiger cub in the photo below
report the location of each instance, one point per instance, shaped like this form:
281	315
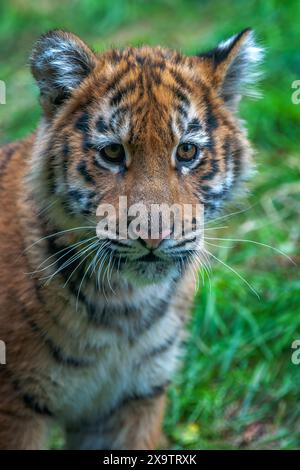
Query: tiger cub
93	325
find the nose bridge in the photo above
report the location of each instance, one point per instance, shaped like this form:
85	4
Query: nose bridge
149	178
150	186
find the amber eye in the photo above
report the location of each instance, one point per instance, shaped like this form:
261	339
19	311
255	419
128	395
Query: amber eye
113	153
186	152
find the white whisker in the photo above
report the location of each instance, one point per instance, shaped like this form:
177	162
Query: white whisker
235	272
255	243
90	249
66	249
227	216
58	233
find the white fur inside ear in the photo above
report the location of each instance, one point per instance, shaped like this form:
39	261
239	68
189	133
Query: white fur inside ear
253	52
60	61
65	58
243	72
227	43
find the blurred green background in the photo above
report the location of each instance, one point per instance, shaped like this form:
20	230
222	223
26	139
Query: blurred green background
238	387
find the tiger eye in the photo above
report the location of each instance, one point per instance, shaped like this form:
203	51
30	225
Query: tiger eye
113	153
186	152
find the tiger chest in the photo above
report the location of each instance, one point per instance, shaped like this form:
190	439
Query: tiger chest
131	357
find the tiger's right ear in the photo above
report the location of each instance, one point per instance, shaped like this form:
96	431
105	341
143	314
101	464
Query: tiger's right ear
233	67
60	61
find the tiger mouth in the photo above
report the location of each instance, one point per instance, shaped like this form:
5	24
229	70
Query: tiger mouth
151	258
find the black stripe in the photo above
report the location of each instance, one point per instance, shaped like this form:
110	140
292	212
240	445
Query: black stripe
82	123
155	77
211	195
33	403
180	81
29	400
164	347
108	316
115	56
11	148
181	110
53	348
117	78
210	118
74	269
156	313
194	126
180	95
121	93
7	156
66	153
63	259
66	272
62	358
97	163
211	124
158	64
117	116
180	124
140	59
82	169
184	242
82	198
177	57
50	169
156	391
237	155
214	168
87	145
101	126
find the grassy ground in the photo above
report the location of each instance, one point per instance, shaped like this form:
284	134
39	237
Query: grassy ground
238	387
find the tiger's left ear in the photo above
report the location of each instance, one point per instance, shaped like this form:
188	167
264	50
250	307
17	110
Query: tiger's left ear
233	67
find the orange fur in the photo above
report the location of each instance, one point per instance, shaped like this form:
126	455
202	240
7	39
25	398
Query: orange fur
64	363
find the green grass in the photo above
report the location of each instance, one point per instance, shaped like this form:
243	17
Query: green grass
237	387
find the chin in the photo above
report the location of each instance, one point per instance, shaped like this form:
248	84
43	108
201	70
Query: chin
144	273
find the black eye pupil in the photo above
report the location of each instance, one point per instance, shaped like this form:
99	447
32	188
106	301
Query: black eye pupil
114	147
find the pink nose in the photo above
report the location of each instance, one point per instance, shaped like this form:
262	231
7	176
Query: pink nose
155	242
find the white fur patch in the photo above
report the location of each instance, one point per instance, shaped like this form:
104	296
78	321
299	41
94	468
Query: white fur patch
243	72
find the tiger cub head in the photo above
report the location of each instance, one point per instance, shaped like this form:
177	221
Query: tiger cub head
146	124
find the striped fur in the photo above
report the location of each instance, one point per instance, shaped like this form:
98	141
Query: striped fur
96	347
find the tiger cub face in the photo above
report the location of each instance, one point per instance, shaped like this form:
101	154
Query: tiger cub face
148	124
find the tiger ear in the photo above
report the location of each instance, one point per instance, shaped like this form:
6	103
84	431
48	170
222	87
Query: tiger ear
59	62
234	67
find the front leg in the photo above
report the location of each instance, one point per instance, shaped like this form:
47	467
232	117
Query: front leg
23	425
134	425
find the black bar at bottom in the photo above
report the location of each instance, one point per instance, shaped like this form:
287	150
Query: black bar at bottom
133	459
